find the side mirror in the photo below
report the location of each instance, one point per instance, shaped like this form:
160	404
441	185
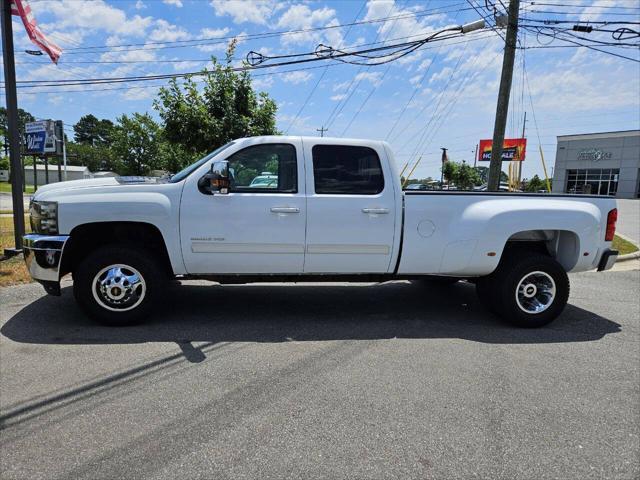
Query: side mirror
217	180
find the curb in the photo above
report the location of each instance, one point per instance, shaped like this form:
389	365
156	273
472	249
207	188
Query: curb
628	256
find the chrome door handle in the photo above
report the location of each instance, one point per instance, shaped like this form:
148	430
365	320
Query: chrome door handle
285	209
375	210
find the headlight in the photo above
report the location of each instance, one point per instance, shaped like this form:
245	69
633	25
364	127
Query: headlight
44	217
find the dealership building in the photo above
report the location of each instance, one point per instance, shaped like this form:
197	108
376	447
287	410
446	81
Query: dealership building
599	164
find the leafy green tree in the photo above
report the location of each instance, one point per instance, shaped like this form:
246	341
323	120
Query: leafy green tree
172	157
466	177
484	175
23	117
136	144
96	158
450	171
91	131
227	107
535	184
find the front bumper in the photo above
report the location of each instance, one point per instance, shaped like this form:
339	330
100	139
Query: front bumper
43	255
607	260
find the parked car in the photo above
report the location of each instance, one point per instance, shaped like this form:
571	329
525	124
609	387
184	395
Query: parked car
502	187
416	186
266	180
338	212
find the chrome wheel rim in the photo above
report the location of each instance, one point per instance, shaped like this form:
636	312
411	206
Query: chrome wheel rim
535	292
119	288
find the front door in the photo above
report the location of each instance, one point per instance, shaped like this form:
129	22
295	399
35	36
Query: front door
351	210
259	227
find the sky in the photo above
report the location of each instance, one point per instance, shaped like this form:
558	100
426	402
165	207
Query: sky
442	95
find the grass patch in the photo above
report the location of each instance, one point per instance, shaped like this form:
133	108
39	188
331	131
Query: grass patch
5	187
13	270
623	246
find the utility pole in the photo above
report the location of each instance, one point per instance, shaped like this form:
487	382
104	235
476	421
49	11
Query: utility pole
524	129
444	160
12	120
502	108
321	130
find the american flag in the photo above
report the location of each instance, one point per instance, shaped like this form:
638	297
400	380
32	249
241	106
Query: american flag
22	9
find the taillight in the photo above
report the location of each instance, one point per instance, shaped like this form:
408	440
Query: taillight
612	217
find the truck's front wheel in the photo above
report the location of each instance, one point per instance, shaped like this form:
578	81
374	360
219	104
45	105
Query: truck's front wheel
118	285
528	290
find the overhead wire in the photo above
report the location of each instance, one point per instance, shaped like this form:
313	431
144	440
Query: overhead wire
357	79
582	45
103	80
262	35
437	120
374	88
324	72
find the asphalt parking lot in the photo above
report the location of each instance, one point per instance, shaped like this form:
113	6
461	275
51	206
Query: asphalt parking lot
401	380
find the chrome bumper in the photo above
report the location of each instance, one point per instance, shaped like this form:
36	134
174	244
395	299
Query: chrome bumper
607	260
43	254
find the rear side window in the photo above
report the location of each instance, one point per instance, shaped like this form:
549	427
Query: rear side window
349	170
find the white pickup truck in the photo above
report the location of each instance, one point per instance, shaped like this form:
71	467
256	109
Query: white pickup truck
322	209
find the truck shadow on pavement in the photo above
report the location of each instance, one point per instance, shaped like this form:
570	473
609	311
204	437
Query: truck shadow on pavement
215	316
300	312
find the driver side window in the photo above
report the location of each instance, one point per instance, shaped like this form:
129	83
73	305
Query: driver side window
266	168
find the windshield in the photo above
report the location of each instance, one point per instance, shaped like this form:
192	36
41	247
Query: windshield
185	172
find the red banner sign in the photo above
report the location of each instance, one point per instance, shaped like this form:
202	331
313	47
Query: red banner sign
513	149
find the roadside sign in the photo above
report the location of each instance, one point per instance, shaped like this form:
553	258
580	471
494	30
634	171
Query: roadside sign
40	137
513	149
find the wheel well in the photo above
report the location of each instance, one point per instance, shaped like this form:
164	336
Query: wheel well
85	238
562	245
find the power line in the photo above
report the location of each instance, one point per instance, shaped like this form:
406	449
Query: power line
582	6
163	84
337	110
338	56
439	117
262	35
557	12
375	86
494	28
321	77
581	44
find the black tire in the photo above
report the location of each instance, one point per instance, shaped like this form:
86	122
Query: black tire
518	268
134	307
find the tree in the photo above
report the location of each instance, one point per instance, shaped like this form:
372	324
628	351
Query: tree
484	175
172	157
91	131
226	108
535	184
96	158
23	118
136	144
450	171
466	177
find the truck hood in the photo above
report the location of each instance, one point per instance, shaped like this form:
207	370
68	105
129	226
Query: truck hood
92	183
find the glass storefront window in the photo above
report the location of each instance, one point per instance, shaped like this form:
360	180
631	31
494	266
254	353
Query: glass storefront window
594	181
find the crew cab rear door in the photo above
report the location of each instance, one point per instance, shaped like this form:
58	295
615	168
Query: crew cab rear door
351	210
259	226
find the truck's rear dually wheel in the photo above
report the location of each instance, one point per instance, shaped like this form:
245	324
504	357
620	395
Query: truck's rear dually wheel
527	289
118	285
